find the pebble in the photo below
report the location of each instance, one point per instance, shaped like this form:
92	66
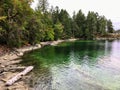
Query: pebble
1	70
2	66
20	54
5	58
38	45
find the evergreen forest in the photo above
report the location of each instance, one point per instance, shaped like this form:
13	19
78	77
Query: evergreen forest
21	25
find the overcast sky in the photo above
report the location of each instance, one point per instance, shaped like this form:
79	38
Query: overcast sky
109	8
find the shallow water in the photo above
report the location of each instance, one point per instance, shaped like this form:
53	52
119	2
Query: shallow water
80	65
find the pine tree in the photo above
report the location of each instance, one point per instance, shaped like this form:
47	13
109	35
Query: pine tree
43	5
65	19
109	27
80	24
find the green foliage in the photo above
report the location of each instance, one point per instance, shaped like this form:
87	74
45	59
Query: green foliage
101	25
43	5
79	19
88	27
21	25
2	18
33	28
55	15
91	24
109	27
49	34
58	29
15	14
65	19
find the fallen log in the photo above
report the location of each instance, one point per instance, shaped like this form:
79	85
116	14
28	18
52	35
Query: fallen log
18	76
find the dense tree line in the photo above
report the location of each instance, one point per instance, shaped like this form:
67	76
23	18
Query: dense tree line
21	25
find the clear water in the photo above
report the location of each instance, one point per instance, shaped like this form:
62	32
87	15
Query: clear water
80	65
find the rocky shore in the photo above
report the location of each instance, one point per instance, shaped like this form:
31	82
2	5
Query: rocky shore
9	66
109	36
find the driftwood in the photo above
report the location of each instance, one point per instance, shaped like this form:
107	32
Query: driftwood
19	76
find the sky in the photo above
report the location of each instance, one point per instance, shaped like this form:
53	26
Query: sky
108	8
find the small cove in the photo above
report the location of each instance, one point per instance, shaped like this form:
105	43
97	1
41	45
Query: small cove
79	65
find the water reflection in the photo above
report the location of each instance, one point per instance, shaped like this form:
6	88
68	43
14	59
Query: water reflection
80	65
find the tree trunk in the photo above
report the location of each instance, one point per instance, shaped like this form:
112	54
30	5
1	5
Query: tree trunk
18	76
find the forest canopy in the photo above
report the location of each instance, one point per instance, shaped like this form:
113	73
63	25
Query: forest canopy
21	25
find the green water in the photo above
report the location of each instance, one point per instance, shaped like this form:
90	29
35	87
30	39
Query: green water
79	65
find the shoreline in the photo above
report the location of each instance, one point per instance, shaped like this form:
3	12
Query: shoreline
9	65
106	38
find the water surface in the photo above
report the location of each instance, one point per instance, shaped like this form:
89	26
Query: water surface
80	65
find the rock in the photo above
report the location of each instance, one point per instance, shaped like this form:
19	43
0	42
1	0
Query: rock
38	45
1	70
20	54
5	58
2	66
2	88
